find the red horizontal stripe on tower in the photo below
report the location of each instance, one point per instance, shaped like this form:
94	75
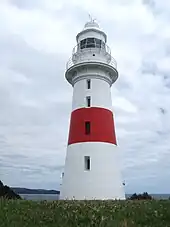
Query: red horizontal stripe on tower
101	126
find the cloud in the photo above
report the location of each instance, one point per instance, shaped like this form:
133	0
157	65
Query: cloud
36	41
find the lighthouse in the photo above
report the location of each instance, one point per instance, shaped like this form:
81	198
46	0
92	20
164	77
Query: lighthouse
91	167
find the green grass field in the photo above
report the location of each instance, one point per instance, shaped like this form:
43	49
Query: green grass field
84	213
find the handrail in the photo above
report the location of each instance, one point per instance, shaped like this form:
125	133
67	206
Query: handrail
112	63
104	49
79	48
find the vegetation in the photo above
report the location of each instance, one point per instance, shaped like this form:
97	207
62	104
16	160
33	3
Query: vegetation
7	193
129	213
144	196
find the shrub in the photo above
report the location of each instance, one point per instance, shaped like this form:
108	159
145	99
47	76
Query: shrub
144	196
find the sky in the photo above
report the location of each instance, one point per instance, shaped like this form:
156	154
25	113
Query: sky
36	41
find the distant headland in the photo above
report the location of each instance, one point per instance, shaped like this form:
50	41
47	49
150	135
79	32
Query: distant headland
34	191
14	192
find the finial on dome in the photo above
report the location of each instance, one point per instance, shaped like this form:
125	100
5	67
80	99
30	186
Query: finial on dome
91	18
91	23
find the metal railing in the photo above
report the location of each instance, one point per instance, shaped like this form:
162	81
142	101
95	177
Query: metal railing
70	62
78	53
102	47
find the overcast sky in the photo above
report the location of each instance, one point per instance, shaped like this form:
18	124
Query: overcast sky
36	40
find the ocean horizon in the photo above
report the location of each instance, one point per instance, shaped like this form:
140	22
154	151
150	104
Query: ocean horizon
53	197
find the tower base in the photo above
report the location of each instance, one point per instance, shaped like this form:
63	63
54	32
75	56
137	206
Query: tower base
101	182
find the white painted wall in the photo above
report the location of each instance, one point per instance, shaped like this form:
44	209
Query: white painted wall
103	181
100	94
92	54
91	34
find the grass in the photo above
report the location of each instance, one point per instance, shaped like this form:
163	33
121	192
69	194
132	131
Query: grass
20	213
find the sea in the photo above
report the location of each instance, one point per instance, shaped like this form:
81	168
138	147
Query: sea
53	197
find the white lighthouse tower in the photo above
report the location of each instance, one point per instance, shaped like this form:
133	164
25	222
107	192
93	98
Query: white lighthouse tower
91	167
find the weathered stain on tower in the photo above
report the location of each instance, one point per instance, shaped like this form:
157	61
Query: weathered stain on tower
91	167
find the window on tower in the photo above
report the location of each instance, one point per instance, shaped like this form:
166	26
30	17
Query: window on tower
87	162
87	127
88	101
88	84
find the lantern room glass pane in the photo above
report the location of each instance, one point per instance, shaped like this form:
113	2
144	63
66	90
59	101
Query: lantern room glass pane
98	43
83	43
91	43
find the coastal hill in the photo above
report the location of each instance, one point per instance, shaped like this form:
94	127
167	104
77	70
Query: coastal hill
7	193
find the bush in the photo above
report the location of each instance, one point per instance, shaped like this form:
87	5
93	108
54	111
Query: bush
144	196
